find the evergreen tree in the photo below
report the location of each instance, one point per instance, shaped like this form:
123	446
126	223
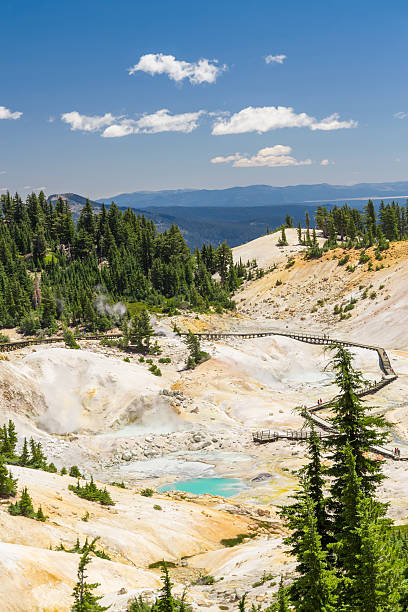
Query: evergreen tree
355	427
282	240
379	577
8	484
141	331
85	599
25	456
315	589
282	603
166	601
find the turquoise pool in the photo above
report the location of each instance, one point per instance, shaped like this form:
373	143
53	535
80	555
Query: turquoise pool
227	487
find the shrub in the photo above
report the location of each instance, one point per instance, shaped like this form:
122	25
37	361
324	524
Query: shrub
141	359
162	563
4	338
147	492
343	260
154	369
91	492
196	355
373	295
74	472
29	324
290	263
278	282
157	507
205	579
69	339
90	546
241	537
164	360
63	471
24	507
126	359
119	484
364	258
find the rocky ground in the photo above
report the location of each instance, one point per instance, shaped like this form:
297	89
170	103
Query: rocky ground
118	421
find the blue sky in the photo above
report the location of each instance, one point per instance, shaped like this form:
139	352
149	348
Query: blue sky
91	125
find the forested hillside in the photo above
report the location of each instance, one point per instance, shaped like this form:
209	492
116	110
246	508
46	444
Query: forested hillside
53	269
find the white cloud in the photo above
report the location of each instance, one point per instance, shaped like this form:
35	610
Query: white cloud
34	188
86	123
3	172
203	71
160	121
273	157
277	59
324	162
6	113
332	123
116	127
266	118
400	115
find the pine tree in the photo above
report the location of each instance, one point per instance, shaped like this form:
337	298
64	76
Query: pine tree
379	577
26	505
84	598
358	429
25	456
12	436
314	474
315	589
282	603
8	484
166	601
299	233
40	515
282	240
141	331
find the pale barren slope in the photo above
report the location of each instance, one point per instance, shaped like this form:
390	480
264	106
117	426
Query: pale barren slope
128	530
265	250
381	319
133	533
40	580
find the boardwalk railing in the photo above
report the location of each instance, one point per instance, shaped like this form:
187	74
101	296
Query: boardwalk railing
18	344
314	338
262	437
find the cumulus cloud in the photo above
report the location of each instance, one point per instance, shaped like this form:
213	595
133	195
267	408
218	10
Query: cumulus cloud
115	127
400	115
273	157
324	162
333	123
266	118
6	113
87	123
277	59
160	121
203	71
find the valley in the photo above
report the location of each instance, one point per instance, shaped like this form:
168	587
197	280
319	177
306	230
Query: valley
120	423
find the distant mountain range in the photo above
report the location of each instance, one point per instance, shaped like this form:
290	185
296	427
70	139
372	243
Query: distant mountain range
260	195
238	214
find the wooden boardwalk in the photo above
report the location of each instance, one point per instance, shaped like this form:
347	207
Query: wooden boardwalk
262	437
265	436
